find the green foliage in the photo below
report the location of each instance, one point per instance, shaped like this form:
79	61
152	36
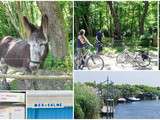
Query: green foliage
16	10
94	15
66	8
68	86
56	64
13	85
78	111
6	28
146	39
11	14
87	103
125	90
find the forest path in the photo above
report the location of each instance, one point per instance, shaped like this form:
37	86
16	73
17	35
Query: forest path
111	64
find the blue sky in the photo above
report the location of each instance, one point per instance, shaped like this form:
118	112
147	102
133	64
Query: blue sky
150	78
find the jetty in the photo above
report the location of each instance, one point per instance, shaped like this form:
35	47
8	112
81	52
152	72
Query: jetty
108	109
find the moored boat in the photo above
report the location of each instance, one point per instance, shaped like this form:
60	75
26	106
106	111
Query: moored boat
133	99
122	100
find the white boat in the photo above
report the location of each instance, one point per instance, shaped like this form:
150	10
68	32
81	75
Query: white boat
134	99
121	100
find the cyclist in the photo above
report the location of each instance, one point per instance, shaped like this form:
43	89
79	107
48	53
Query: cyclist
99	36
82	41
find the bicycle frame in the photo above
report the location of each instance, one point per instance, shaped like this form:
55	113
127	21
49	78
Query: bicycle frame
82	60
130	58
85	56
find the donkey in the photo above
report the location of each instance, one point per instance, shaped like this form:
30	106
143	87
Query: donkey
28	54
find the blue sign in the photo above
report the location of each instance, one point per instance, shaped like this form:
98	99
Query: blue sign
51	105
50	113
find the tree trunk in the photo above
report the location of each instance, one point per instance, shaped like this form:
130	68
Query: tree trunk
117	29
56	29
100	20
155	40
76	26
142	19
76	21
133	22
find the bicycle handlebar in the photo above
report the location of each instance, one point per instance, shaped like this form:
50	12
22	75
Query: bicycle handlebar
88	46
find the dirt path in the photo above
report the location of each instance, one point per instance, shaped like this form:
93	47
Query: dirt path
111	64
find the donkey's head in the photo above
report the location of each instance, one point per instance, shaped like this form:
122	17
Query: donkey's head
37	39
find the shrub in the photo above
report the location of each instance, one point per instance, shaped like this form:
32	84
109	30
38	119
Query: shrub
56	64
146	39
87	103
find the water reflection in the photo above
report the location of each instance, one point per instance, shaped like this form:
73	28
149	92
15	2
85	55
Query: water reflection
142	110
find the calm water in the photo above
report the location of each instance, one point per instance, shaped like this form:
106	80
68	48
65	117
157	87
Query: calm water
143	109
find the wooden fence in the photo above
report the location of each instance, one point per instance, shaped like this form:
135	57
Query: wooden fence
37	77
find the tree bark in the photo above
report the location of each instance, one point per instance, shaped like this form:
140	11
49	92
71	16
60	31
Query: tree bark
76	20
142	19
85	17
117	28
56	29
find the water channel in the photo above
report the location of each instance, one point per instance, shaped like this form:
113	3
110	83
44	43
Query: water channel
142	109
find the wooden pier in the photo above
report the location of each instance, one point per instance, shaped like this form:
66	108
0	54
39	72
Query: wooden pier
108	109
107	112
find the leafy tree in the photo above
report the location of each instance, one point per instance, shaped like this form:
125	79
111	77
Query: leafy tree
87	103
60	27
120	21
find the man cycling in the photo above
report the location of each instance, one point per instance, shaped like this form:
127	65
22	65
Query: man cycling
99	36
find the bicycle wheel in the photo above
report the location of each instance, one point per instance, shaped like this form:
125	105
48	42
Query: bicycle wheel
95	62
121	58
77	64
143	62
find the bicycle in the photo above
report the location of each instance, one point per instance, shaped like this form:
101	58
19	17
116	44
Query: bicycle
141	58
89	60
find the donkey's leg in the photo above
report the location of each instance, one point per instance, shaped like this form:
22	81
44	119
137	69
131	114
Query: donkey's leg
5	84
35	82
4	69
27	83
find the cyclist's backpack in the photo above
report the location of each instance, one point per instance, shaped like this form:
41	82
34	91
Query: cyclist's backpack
145	55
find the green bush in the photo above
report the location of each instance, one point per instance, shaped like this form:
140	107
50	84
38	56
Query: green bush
87	103
56	64
6	28
13	85
68	86
146	39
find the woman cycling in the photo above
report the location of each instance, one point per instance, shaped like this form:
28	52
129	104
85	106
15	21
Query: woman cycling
82	41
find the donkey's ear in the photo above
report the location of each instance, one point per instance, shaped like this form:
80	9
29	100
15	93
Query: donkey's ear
44	25
28	26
